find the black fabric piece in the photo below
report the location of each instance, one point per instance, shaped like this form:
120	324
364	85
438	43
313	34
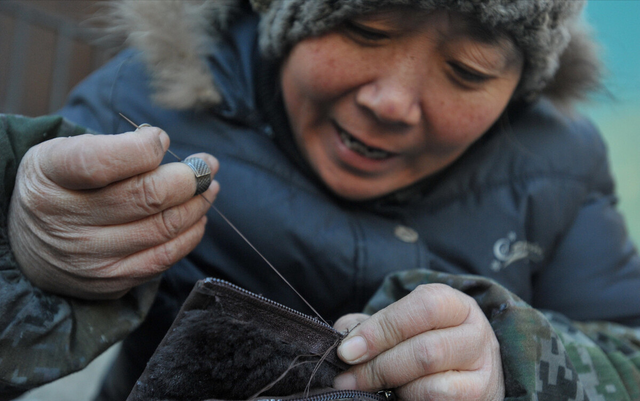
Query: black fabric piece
229	344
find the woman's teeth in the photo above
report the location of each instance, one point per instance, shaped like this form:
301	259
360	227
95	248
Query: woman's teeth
362	149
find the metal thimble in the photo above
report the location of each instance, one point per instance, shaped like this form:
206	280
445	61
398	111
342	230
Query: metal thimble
202	172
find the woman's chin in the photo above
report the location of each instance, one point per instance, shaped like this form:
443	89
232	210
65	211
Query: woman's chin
357	189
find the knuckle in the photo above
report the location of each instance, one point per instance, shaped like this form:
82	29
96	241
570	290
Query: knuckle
25	194
444	302
148	194
89	167
431	296
425	295
426	289
171	222
425	357
389	330
428	302
433	291
33	191
93	169
373	376
165	257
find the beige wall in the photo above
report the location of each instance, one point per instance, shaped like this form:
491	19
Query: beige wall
39	53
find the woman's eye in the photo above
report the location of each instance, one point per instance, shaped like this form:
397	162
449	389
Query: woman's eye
364	32
468	75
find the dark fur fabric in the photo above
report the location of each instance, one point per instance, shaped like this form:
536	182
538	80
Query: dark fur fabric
211	354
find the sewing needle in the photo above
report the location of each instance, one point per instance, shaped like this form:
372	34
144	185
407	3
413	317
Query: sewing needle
242	236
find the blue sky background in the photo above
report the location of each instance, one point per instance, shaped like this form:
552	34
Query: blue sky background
617	28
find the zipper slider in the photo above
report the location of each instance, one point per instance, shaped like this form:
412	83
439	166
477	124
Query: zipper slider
388	395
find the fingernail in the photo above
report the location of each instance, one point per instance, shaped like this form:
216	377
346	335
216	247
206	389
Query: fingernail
345	381
353	349
164	139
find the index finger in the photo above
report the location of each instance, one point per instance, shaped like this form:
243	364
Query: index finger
95	161
428	307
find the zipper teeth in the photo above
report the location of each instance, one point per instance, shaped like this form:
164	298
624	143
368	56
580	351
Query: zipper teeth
269	301
333	395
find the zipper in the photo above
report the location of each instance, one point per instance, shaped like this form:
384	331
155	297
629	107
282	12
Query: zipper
383	395
340	394
222	283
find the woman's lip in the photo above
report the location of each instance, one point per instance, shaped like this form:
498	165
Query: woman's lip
358	163
340	129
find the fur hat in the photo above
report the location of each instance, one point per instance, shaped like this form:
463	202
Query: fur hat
561	60
542	29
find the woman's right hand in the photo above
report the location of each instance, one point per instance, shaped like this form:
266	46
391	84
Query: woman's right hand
433	344
95	215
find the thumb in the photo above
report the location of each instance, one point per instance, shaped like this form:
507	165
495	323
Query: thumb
95	161
350	321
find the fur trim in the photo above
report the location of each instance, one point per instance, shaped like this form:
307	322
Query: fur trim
579	73
172	36
561	60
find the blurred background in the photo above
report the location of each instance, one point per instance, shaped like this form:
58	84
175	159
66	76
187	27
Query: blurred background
45	50
618	114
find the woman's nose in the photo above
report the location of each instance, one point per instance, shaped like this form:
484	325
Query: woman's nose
392	99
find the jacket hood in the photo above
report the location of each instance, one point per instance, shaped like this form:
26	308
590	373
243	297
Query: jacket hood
175	37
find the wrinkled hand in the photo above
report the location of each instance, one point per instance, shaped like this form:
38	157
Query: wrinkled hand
95	215
433	344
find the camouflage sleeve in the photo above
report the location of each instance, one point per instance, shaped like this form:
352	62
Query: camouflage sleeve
43	336
545	356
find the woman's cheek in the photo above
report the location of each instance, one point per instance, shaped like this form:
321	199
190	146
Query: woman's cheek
469	120
321	69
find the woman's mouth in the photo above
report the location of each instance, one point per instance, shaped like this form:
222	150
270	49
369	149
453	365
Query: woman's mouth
360	148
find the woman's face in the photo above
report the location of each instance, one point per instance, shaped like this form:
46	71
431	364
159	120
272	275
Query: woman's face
389	98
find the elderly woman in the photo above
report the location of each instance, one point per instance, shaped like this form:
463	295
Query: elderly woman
417	140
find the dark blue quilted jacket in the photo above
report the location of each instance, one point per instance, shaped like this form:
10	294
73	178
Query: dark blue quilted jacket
531	205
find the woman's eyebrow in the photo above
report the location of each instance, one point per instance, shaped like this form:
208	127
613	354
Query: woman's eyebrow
498	56
474	30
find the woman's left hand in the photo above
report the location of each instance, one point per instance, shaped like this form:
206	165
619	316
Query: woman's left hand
435	343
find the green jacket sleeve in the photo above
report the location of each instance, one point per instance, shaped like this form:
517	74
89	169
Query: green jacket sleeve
545	356
43	336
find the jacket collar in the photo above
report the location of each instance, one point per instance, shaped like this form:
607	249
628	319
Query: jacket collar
175	39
